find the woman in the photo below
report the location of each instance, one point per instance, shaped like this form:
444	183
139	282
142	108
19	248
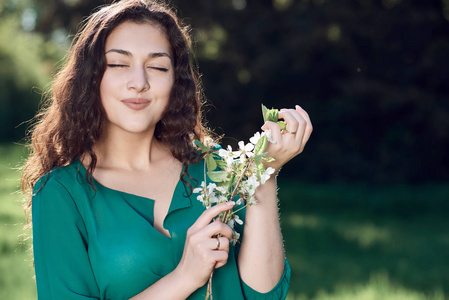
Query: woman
113	165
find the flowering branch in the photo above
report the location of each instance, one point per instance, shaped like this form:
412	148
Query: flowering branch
241	171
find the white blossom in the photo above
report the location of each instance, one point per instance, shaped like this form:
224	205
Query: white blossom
211	187
223	153
266	175
251	200
229	155
221	198
207	194
234	219
248	189
237	219
246	149
252	183
222	189
255	138
199	189
235	237
200	198
258	135
268	134
236	153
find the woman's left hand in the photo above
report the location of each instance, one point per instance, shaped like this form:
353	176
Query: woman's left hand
289	142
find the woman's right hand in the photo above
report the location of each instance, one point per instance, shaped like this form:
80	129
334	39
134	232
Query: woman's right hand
201	255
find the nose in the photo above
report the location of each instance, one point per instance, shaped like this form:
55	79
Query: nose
138	80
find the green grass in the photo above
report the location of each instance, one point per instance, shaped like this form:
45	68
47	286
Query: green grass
343	242
360	242
16	272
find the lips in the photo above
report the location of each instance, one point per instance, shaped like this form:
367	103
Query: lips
136	103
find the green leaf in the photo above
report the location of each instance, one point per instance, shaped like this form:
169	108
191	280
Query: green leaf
218	176
201	146
261	145
221	164
258	157
268	159
283	125
269	114
210	163
260	166
216	156
273	116
264	113
260	169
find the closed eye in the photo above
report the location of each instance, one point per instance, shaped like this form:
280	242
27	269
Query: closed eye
116	66
159	69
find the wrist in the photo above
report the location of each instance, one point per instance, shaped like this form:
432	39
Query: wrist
270	184
267	192
184	282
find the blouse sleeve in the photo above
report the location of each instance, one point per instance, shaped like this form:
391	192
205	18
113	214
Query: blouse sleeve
61	261
277	293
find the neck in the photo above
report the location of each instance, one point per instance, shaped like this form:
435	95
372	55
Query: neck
131	151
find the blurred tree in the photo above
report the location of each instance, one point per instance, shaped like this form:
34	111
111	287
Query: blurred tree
26	62
371	73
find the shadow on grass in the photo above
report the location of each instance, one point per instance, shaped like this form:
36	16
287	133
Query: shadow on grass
343	235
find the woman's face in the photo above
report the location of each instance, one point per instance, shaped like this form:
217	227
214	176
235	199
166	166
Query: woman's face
136	85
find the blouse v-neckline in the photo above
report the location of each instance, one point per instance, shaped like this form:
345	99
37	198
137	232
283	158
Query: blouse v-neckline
180	203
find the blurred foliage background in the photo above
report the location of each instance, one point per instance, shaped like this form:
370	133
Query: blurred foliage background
364	205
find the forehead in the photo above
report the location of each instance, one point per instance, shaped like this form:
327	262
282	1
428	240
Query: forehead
136	37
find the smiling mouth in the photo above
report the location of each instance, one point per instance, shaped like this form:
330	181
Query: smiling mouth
136	103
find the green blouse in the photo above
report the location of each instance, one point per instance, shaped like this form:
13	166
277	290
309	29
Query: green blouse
102	245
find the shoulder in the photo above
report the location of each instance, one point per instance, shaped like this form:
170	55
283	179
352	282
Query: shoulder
67	179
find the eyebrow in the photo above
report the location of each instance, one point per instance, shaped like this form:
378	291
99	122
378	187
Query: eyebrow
150	55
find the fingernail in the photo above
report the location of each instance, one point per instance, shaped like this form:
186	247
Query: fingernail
230	203
298	107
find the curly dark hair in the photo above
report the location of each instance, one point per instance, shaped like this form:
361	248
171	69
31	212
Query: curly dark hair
72	120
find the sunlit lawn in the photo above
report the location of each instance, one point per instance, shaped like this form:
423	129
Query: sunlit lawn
343	242
359	242
16	273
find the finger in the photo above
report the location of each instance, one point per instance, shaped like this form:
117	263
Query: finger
303	113
209	214
309	126
219	243
221	258
298	134
224	244
275	130
293	120
218	228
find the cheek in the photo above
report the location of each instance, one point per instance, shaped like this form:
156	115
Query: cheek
106	92
103	86
108	87
163	87
166	82
106	82
169	87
